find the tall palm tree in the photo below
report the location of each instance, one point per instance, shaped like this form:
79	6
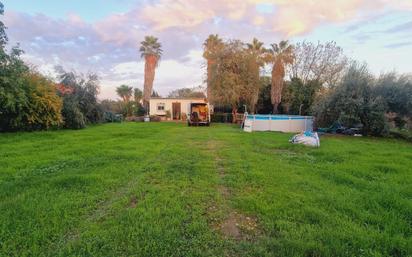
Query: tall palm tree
280	55
212	44
151	50
125	92
257	52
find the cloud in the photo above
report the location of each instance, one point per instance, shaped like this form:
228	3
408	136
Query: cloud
400	28
109	46
398	45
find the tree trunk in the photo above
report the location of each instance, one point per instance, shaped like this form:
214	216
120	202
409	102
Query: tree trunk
275	108
278	72
149	74
209	80
234	114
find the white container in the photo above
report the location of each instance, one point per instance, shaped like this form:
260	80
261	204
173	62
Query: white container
248	126
282	123
146	118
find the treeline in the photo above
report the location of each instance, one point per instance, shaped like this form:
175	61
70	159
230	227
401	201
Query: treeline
305	79
31	101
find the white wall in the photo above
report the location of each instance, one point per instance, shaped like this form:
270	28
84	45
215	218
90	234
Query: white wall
184	105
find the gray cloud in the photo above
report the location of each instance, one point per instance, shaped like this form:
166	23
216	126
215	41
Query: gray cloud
404	27
398	45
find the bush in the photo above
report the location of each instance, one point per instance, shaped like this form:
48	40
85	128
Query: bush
111	117
28	102
221	117
401	134
44	105
72	116
353	102
135	118
80	103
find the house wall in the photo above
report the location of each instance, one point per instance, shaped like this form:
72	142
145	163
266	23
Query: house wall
168	102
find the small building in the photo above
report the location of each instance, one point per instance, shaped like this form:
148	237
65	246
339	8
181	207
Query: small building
172	108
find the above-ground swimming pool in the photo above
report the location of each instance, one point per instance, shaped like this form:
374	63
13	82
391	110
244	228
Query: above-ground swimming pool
284	123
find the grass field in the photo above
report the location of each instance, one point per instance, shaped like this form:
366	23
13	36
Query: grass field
164	189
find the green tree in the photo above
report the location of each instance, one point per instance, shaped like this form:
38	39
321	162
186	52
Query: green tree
298	97
396	91
138	95
352	102
280	55
151	50
211	48
125	93
80	105
187	93
254	56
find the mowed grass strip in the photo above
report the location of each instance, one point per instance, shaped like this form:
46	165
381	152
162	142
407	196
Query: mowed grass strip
164	189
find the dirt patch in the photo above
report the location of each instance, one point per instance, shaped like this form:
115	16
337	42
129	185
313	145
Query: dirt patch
133	202
239	227
224	191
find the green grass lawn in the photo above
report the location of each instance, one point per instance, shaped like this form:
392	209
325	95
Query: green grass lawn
165	189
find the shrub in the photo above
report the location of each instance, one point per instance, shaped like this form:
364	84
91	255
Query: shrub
44	106
72	116
111	117
80	104
135	118
353	102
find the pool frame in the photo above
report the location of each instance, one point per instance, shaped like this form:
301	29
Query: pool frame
283	123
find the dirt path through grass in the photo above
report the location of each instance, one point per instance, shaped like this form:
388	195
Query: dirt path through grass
164	189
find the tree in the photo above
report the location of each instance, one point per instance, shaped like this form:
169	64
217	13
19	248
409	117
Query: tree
80	106
211	47
3	35
138	95
151	50
187	93
324	63
298	98
352	102
235	73
28	101
255	59
125	93
280	55
264	104
396	91
228	75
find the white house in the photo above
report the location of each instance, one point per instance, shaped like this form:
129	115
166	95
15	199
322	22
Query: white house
177	108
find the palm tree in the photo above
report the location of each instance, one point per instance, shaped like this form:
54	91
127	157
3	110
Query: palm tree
257	52
212	44
125	92
151	50
280	56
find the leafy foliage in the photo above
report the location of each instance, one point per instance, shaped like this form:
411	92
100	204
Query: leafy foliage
280	55
353	102
396	92
81	106
187	93
28	101
73	117
234	74
320	62
298	97
125	92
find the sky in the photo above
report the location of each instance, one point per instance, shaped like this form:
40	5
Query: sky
103	37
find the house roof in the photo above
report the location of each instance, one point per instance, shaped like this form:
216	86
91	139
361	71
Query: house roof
179	98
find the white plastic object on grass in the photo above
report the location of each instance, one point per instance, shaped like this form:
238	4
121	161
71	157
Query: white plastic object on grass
306	138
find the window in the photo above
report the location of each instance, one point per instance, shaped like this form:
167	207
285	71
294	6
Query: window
160	106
